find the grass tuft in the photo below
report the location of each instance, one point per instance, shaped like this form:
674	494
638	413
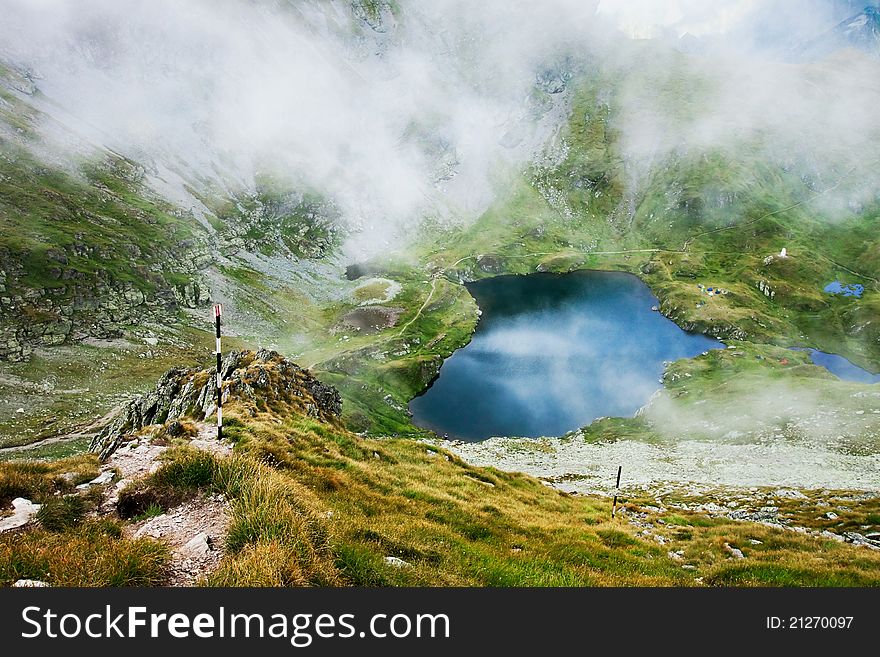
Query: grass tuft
94	555
61	513
38	481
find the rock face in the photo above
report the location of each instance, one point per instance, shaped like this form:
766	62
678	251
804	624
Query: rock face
76	306
249	378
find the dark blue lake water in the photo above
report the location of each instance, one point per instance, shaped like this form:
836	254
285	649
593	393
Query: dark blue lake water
841	367
551	353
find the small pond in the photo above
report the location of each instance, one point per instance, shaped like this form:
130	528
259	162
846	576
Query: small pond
838	288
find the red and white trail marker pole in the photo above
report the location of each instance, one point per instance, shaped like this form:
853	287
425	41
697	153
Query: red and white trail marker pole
218	312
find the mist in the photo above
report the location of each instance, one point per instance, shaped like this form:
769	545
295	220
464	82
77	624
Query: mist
777	411
393	120
425	111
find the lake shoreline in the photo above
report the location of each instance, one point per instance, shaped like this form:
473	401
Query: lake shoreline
552	352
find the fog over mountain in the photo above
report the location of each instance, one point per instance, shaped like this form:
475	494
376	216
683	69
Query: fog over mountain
412	110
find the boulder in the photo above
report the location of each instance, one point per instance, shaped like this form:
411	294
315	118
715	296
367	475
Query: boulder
23	511
103	478
736	553
198	546
29	583
397	563
789	493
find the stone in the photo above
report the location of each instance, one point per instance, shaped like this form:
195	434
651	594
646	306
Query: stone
104	478
134	296
23	511
198	546
831	515
831	535
153	528
397	563
175	429
858	539
789	493
29	583
736	553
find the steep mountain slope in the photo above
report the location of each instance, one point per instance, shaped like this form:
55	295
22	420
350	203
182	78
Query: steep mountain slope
860	31
90	249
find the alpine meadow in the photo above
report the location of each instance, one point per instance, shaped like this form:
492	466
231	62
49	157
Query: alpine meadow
567	293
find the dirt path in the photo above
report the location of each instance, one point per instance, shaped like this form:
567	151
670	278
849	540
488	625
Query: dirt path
195	531
84	431
690	239
44	442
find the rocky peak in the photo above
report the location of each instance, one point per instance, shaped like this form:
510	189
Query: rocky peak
253	380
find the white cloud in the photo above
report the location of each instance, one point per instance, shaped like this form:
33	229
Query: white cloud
219	90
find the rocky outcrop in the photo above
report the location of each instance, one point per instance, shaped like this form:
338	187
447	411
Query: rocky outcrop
251	379
76	305
291	224
716	329
765	289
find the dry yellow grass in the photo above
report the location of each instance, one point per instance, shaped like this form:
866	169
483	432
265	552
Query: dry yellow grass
38	480
315	505
355	502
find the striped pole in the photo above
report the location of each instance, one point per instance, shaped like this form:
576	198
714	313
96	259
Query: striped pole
218	311
616	491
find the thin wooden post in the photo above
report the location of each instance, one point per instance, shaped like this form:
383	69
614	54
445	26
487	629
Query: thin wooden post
218	312
616	491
